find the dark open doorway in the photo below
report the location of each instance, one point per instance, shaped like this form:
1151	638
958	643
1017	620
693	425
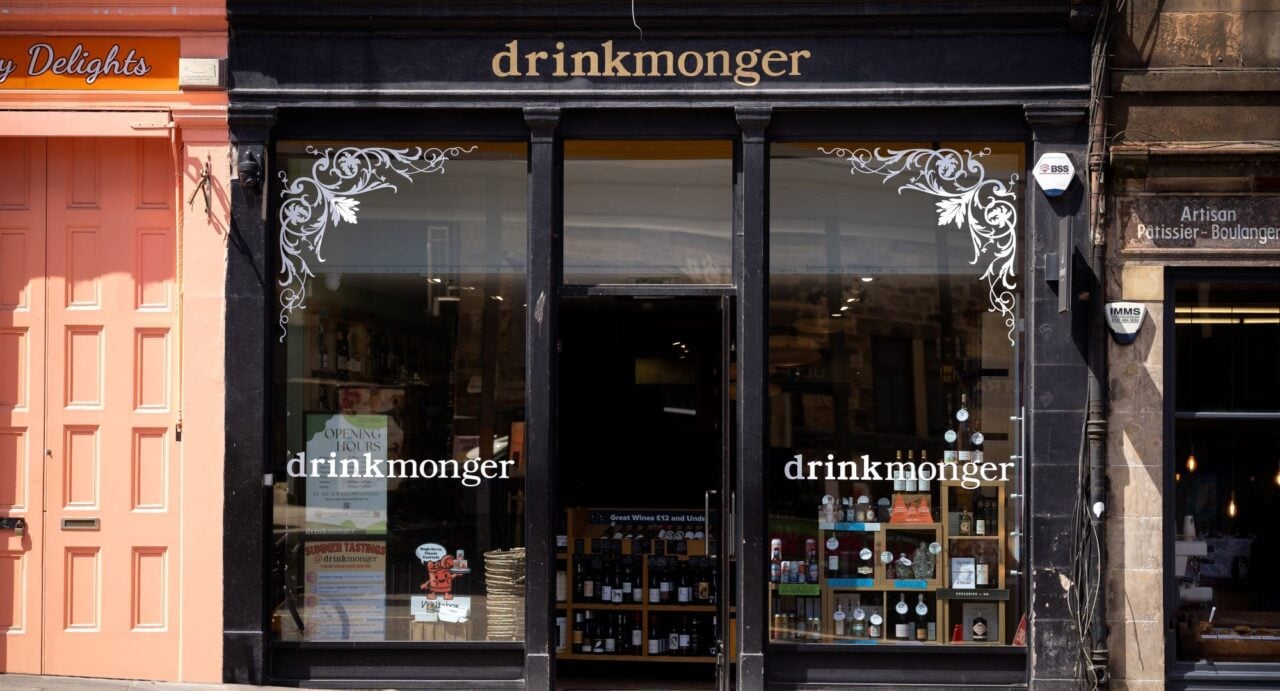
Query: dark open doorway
642	450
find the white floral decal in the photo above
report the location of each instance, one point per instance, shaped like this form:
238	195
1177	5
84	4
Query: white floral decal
327	197
966	198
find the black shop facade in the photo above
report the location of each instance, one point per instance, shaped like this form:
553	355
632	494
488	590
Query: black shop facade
728	348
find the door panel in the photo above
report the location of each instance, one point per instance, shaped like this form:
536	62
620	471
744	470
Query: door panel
22	332
111	587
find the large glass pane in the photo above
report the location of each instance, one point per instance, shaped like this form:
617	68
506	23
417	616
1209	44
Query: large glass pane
406	370
1226	470
894	375
648	212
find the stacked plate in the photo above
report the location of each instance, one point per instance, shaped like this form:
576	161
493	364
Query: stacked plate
504	576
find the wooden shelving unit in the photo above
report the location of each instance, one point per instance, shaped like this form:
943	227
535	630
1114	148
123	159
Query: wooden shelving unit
581	534
878	591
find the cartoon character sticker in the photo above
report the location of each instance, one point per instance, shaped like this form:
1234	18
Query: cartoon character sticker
442	569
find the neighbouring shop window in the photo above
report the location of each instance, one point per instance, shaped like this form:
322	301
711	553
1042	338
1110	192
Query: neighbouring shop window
1226	467
894	370
648	212
399	434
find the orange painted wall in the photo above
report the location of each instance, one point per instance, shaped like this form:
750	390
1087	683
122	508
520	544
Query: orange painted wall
199	123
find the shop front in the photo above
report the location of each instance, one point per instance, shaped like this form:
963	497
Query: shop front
1199	271
724	356
113	218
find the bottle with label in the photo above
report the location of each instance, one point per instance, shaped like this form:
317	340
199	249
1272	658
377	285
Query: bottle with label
665	586
673	641
637	635
980	515
899	482
874	625
966	522
833	557
859	629
589	582
923	624
923	484
606	588
588	632
617	585
610	637
978	629
577	632
811	557
902	621
839	618
910	483
695	638
982	569
775	560
626	592
702	587
684	591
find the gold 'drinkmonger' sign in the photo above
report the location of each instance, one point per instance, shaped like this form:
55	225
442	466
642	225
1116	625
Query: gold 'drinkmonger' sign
89	62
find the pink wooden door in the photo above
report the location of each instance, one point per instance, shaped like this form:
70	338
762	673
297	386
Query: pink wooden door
111	530
22	331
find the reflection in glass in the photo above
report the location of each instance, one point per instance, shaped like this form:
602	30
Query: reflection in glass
647	212
1226	469
884	348
410	351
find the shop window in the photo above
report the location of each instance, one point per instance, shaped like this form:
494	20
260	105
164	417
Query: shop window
1226	469
399	433
648	212
894	377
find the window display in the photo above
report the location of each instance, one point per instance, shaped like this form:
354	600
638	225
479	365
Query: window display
398	497
1226	474
894	371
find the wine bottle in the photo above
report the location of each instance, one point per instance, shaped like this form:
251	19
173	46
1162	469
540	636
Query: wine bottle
910	484
982	569
922	619
588	582
924	460
655	644
899	483
637	635
684	591
606	588
577	632
901	622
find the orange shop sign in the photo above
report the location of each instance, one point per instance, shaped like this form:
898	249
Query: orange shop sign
99	63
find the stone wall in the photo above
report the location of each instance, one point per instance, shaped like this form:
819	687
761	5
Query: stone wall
1135	453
